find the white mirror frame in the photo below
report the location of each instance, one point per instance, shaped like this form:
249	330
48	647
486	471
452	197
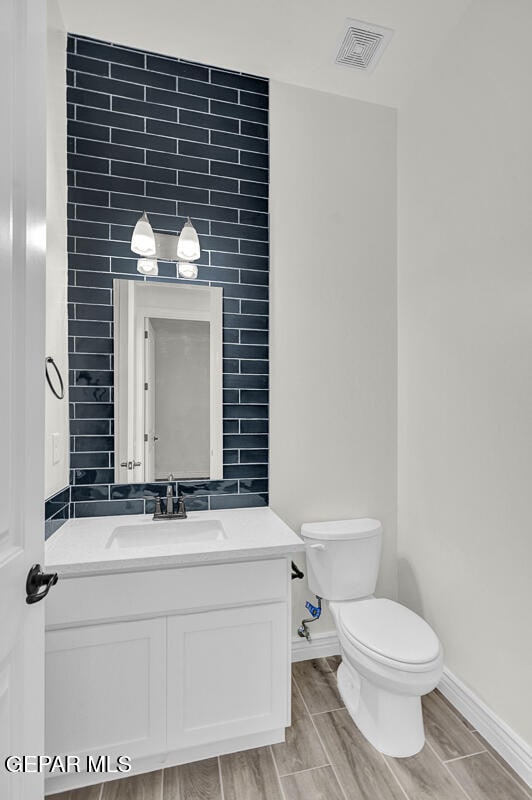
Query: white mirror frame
134	302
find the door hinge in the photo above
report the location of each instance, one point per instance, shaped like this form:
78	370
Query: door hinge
146	387
145	437
145	334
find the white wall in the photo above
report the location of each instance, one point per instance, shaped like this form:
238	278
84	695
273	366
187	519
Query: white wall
333	315
465	354
56	411
292	42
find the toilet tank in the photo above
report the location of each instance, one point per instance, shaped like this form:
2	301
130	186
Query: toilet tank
343	557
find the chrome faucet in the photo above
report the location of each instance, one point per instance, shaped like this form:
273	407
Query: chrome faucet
169	499
169	512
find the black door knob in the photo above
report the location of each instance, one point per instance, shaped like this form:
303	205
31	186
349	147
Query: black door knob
36	580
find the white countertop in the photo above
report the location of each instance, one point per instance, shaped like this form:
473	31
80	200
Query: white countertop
81	546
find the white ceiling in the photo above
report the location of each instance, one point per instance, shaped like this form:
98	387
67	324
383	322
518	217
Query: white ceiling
294	41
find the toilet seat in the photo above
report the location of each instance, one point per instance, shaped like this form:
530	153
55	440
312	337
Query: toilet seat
389	633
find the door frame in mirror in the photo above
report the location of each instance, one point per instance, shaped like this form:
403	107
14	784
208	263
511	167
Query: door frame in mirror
134	301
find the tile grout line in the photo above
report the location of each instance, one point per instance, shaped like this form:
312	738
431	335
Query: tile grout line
450	773
222	793
461	758
394	776
329	710
279	781
296	772
307	769
321	741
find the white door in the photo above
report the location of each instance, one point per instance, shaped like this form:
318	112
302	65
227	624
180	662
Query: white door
22	270
150	435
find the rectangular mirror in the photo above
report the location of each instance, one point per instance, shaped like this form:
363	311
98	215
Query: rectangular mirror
168	382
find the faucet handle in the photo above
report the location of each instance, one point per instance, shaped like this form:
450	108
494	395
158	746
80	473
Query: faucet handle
157	502
181	508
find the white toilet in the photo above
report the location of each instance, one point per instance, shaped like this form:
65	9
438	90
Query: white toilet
390	656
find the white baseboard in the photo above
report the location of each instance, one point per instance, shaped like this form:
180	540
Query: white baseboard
319	646
516	752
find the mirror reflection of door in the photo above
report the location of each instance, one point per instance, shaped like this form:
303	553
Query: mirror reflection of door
177	356
168	382
150	435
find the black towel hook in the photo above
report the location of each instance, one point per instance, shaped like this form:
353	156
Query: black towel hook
60	395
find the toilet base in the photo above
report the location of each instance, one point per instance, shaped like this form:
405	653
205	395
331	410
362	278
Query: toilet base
392	723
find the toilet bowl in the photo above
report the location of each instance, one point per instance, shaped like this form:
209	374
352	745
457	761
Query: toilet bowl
390	655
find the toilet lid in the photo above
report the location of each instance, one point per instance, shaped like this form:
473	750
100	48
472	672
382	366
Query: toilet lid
389	629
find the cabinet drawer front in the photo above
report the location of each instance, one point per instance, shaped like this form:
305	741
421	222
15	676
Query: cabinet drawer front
105	689
227	674
134	594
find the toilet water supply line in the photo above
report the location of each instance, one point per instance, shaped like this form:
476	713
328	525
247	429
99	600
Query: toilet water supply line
315	611
315	614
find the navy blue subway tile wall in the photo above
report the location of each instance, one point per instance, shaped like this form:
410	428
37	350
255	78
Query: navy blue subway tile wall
175	139
56	511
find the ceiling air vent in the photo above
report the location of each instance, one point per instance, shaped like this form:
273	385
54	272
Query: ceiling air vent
362	45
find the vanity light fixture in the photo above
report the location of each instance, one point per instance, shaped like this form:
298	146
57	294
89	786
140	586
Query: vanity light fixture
183	248
188	246
147	266
143	239
185	269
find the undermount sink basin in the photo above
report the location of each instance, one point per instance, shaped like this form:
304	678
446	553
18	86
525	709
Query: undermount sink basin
178	533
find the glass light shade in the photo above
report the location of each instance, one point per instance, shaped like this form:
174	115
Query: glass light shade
188	246
187	270
143	239
147	266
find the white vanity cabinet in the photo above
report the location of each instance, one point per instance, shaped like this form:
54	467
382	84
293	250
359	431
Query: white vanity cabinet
226	674
105	689
167	665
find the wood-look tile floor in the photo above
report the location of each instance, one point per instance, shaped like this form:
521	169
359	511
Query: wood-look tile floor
326	758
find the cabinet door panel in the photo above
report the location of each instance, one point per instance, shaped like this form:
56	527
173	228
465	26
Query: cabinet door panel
227	674
105	689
